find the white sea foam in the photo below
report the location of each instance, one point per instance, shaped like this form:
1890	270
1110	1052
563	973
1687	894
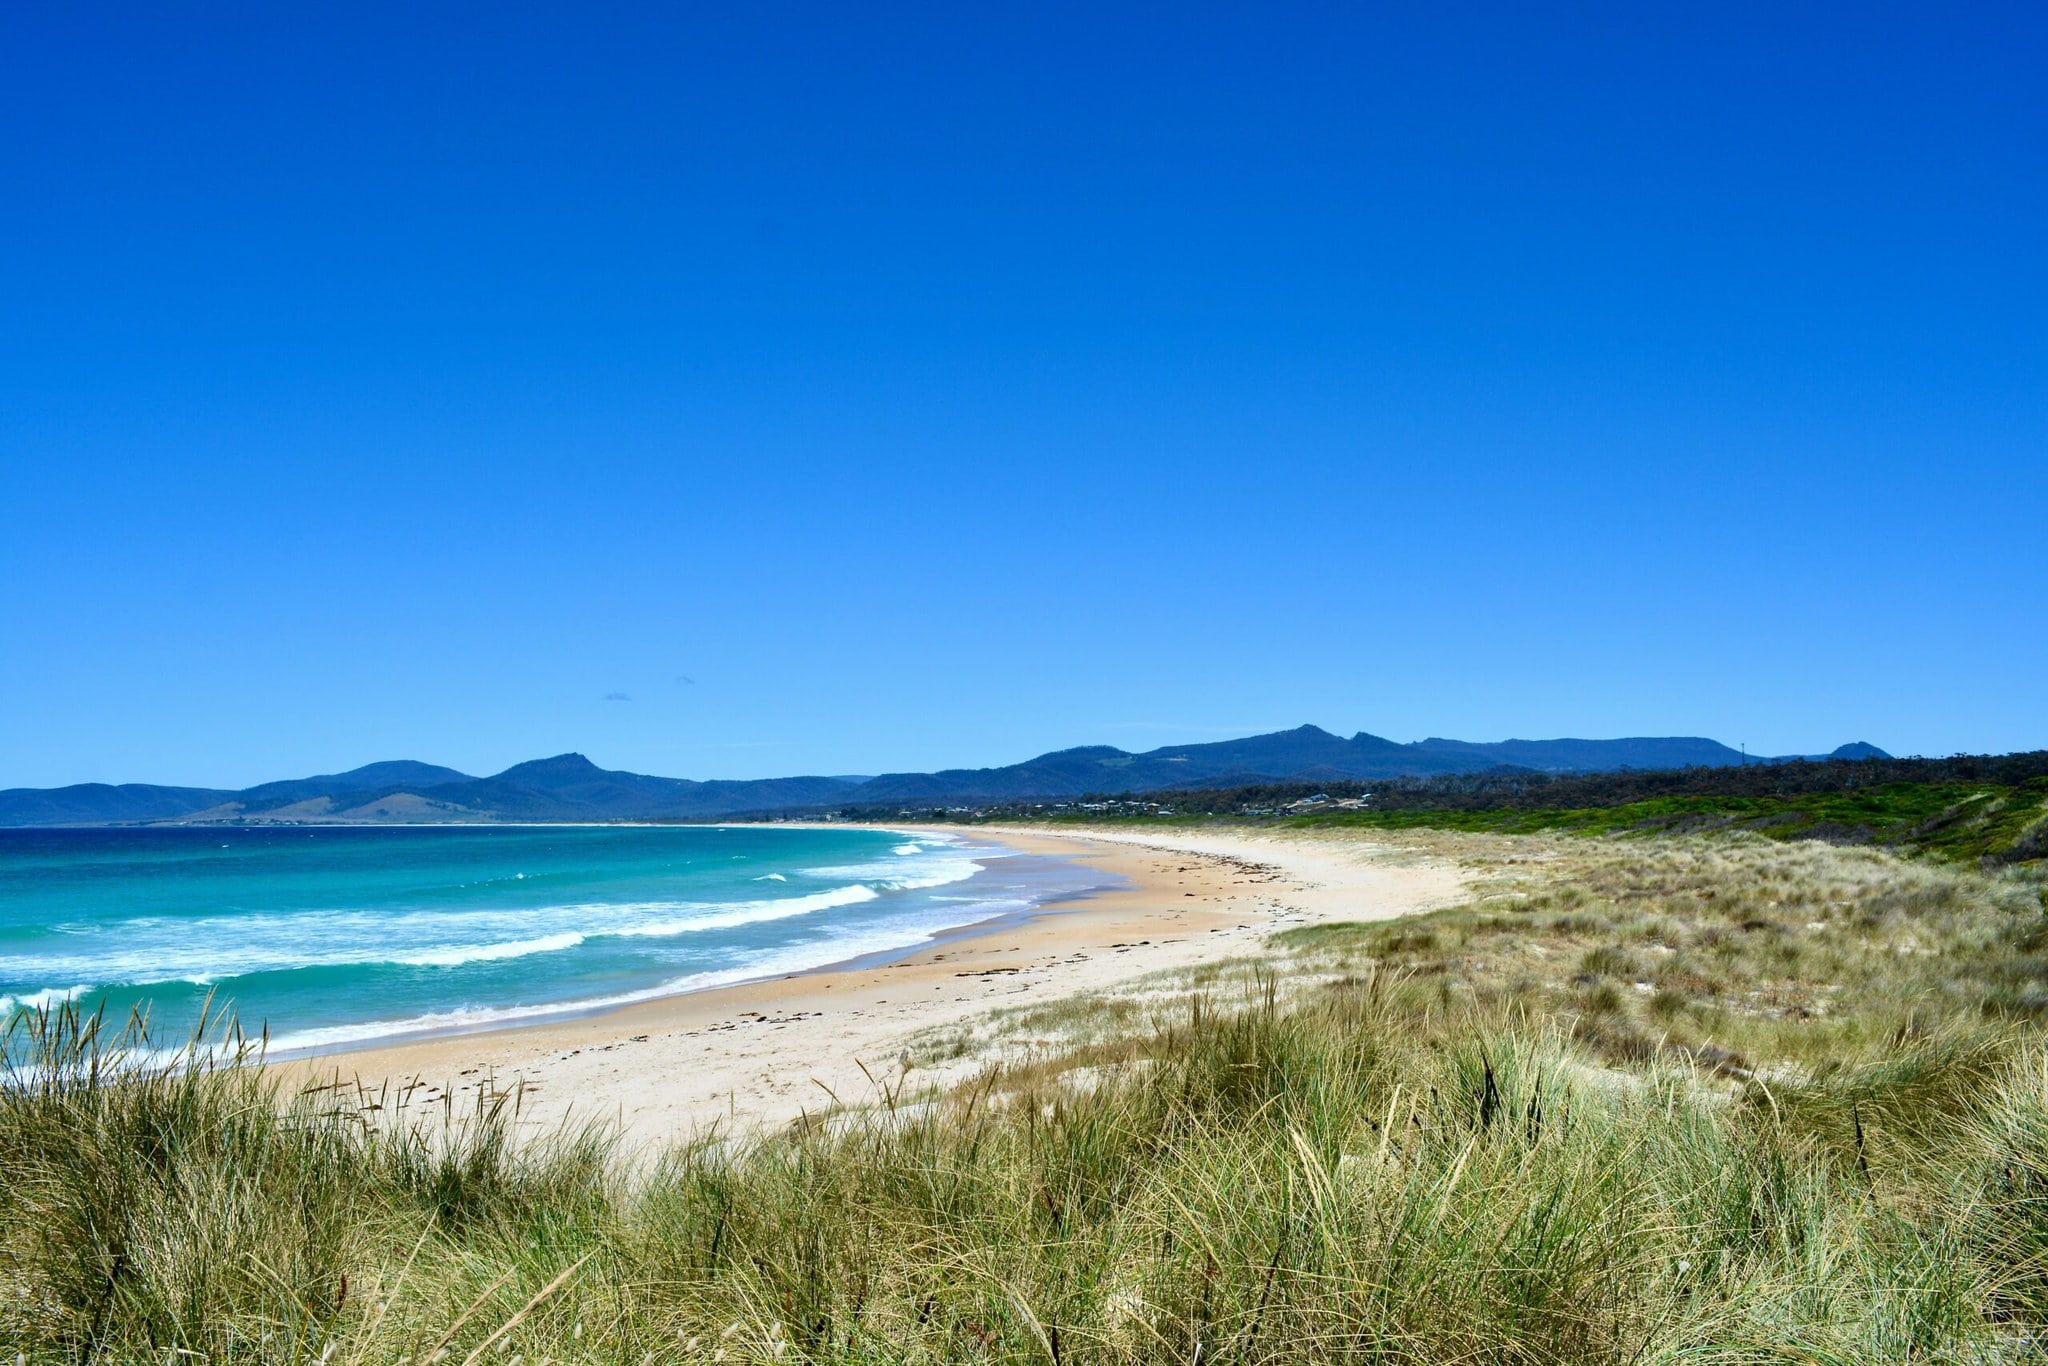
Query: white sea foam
931	871
195	952
752	913
491	953
42	1000
161	950
897	933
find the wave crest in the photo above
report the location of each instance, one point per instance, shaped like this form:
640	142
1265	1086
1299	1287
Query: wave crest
456	956
287	951
42	1000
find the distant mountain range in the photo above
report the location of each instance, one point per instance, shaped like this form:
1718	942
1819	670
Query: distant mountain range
569	787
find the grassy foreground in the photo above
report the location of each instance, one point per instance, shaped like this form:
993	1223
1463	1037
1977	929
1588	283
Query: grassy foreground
1645	1101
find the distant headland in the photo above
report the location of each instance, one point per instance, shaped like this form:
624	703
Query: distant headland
569	787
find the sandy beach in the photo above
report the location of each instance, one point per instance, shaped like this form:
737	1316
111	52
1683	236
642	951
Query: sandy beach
768	1052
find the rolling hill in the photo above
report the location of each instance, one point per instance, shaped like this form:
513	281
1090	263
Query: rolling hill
569	787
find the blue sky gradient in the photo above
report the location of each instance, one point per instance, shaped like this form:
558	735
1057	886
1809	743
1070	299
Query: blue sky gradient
791	389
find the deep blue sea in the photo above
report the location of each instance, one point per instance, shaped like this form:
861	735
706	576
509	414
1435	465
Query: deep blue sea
331	936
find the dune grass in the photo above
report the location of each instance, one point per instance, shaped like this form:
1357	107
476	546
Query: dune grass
1598	1115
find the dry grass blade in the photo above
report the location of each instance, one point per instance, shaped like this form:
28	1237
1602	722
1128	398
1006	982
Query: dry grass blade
539	1297
448	1334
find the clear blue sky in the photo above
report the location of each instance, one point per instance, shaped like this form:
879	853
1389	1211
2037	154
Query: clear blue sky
767	389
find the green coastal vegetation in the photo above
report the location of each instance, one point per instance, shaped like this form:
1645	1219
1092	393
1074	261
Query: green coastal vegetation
1990	809
1670	1096
1951	820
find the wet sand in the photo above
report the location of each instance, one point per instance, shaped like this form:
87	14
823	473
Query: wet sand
767	1052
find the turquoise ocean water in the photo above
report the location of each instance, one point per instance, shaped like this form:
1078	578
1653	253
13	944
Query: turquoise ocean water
331	936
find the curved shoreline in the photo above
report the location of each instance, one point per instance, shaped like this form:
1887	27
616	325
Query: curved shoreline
770	1050
543	1016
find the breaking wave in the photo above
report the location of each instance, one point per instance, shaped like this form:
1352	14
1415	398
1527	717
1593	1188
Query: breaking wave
360	935
42	1000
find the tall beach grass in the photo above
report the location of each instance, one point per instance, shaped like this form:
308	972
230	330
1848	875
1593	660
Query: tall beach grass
1438	1140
